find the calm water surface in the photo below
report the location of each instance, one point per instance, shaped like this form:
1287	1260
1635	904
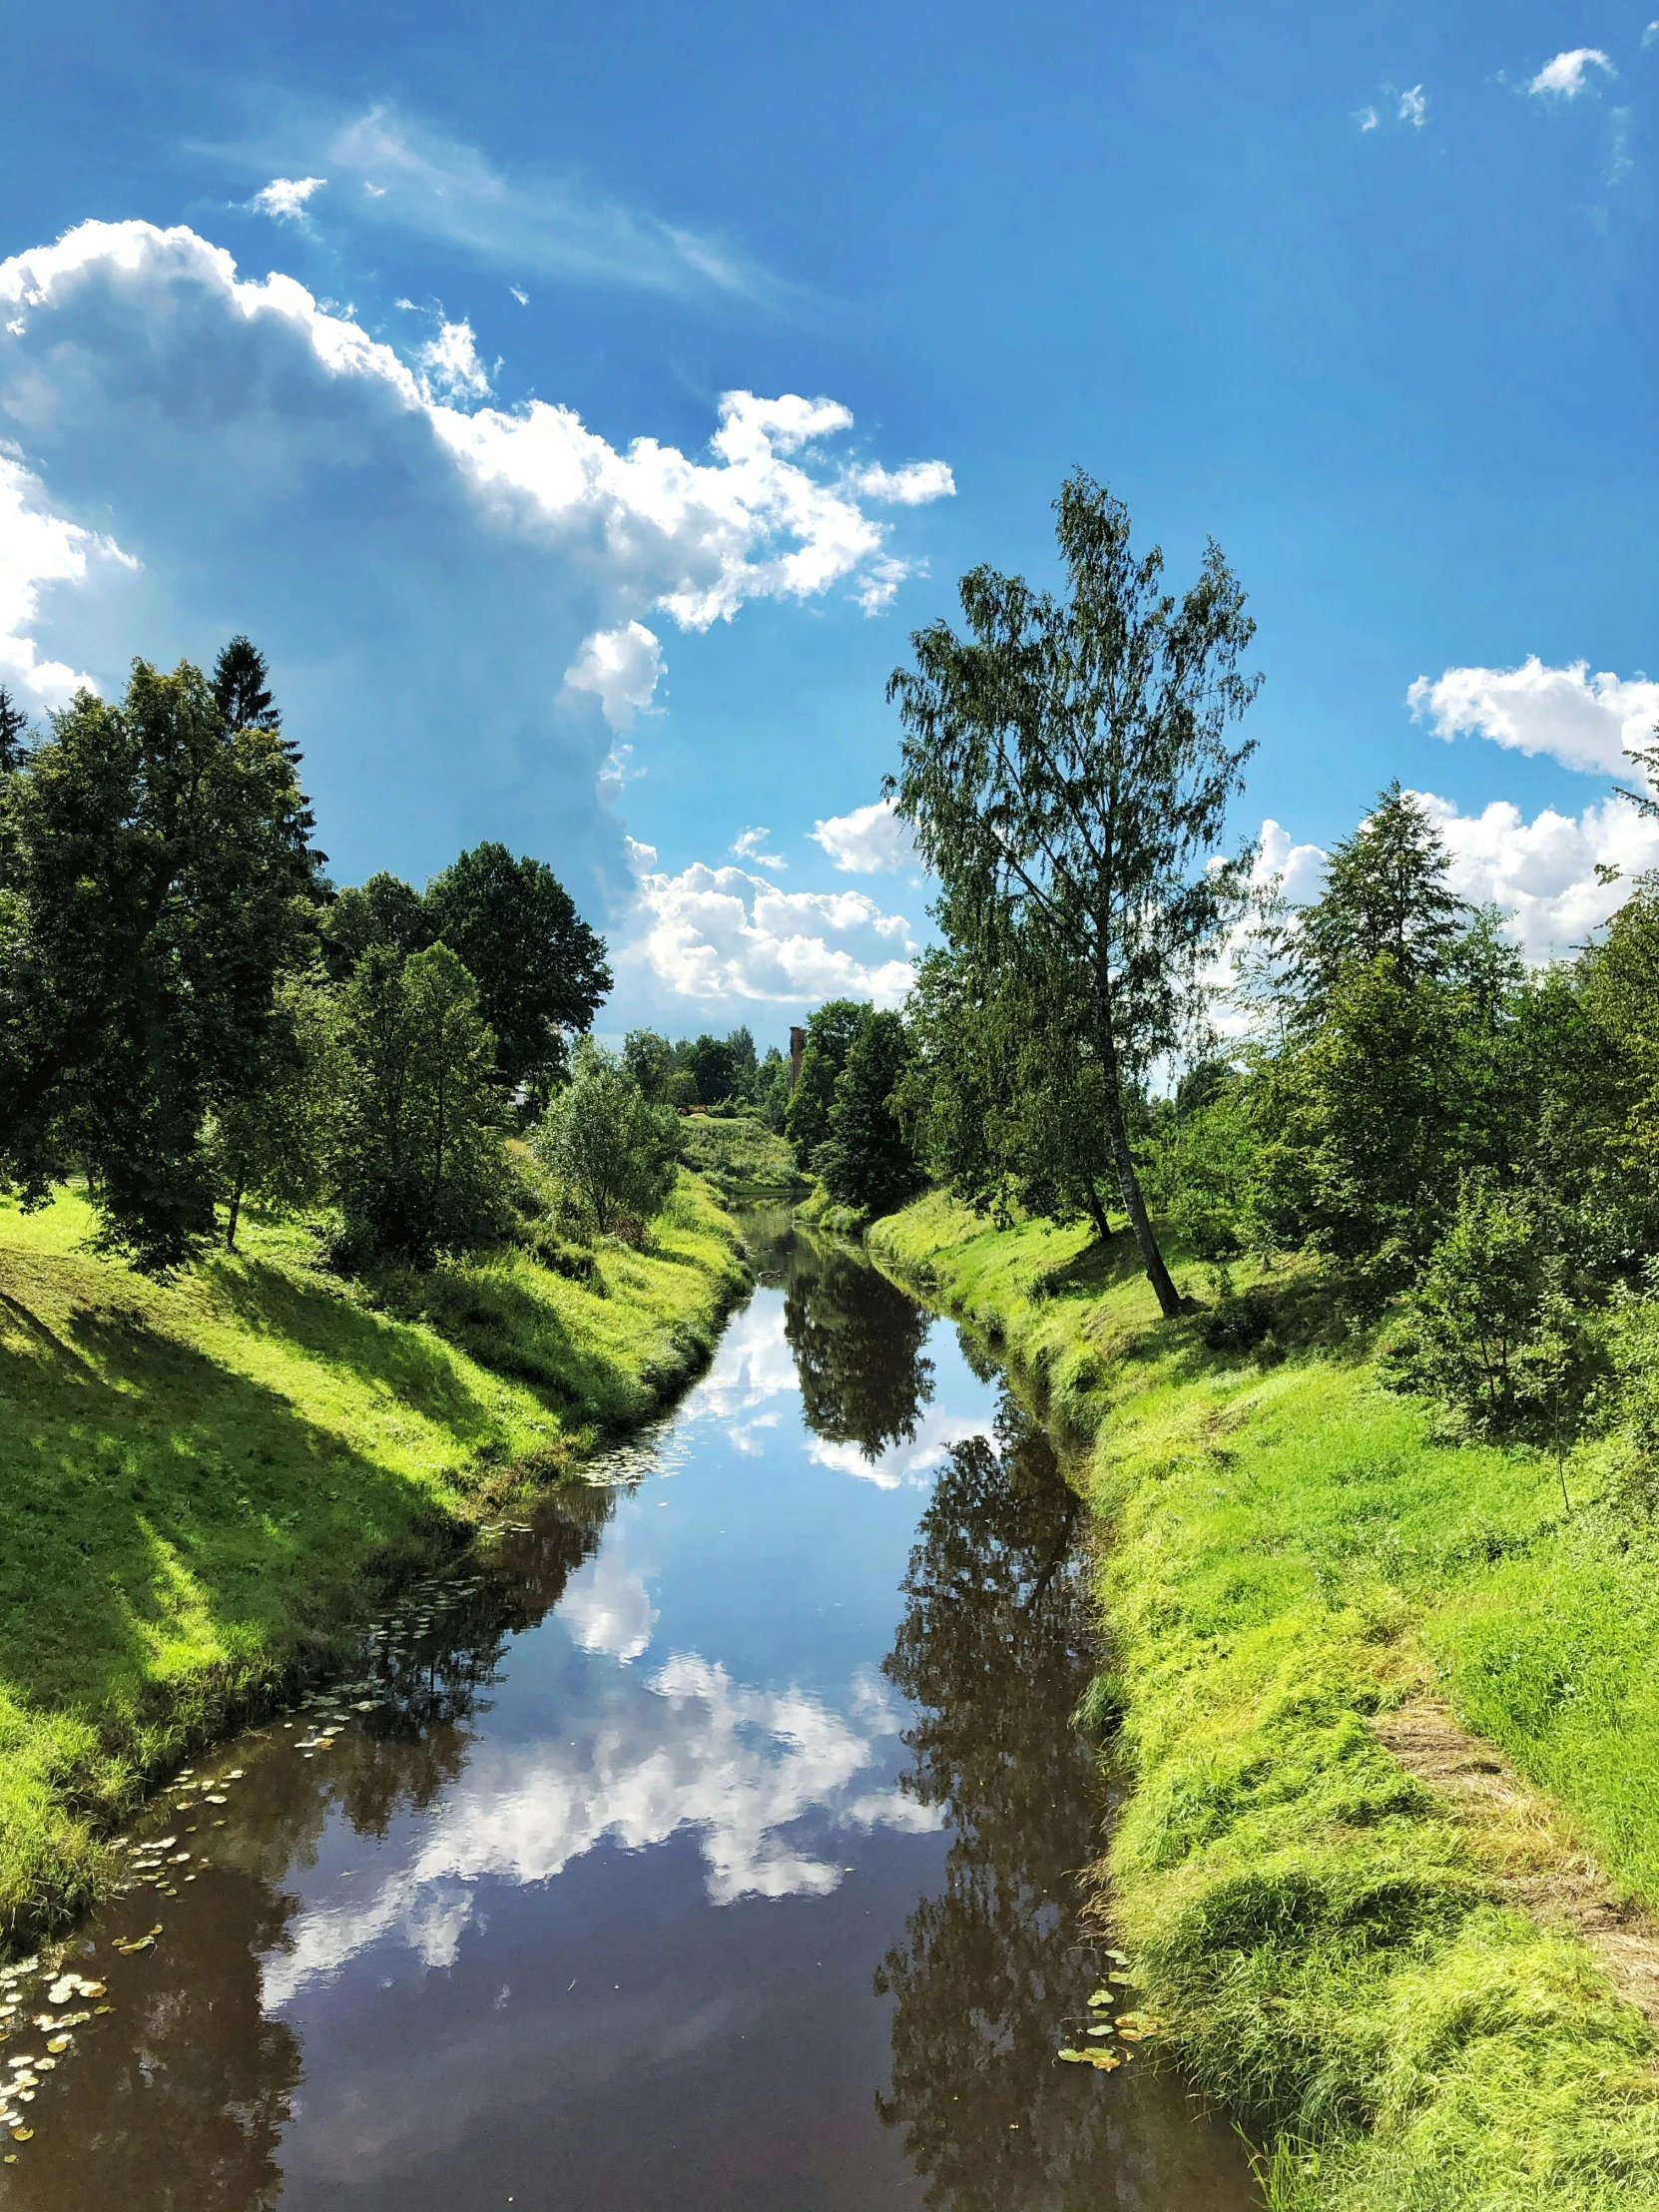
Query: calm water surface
709	1843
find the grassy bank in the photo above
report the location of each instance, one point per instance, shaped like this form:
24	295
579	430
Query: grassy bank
741	1156
1287	1553
202	1481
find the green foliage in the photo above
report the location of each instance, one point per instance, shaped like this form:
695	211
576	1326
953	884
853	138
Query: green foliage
1066	768
739	1154
161	885
1488	1328
541	971
384	911
206	1480
1286	1542
830	1034
604	1138
420	1167
279	1142
866	1161
1385	895
649	1059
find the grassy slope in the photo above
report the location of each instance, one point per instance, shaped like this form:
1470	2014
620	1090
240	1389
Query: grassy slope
1289	1553
739	1154
199	1479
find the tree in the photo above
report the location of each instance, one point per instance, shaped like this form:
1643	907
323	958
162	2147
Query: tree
618	1152
859	1346
772	1090
867	1161
14	729
383	911
277	1142
829	1035
541	971
1386	891
162	886
419	1168
1066	770
712	1062
649	1059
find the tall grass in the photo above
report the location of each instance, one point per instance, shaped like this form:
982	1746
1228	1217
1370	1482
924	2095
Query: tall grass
201	1480
1286	1550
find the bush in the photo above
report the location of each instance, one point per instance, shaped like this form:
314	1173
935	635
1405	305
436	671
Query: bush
1490	1329
618	1153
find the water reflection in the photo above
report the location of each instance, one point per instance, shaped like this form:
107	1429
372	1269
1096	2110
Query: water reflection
858	1345
584	1910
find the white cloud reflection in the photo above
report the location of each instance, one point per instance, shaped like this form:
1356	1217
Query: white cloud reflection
690	1749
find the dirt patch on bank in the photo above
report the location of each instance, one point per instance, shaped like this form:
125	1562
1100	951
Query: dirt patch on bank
1540	1864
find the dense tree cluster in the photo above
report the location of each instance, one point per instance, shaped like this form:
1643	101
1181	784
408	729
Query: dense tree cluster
709	1071
191	1015
1471	1147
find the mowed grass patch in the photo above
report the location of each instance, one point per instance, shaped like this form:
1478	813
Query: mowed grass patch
202	1481
1285	1549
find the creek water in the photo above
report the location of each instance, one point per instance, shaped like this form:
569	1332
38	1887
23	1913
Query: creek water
709	1840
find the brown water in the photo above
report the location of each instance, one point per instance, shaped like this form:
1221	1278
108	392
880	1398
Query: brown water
708	1841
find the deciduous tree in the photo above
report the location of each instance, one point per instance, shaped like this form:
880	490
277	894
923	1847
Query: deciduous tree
1066	768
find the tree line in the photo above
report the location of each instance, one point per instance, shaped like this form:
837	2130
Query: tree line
192	1015
1121	1023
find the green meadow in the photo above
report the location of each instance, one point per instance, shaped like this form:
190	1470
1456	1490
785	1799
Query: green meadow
1287	1550
203	1480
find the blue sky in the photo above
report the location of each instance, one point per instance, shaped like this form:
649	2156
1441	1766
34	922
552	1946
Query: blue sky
1365	292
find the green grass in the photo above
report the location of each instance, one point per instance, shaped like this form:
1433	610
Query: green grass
202	1481
1287	1549
739	1154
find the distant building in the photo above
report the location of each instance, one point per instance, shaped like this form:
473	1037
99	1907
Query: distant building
798	1045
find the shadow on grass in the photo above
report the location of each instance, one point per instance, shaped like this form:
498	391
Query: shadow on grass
501	1323
157	1509
329	1328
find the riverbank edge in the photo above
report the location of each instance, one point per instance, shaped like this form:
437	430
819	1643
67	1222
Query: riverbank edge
1327	1938
78	1772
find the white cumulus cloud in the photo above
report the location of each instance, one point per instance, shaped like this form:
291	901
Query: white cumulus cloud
750	845
37	550
716	936
870	840
1565	76
450	364
285	198
1413	107
1586	722
621	667
279	470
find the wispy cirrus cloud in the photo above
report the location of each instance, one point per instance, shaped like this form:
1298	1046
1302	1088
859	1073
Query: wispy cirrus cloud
396	170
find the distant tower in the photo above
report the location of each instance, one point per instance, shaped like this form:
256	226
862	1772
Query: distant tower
798	1045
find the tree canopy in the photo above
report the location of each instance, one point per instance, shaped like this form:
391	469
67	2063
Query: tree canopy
1066	768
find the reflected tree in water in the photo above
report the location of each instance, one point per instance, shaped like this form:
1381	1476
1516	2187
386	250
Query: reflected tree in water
857	1343
995	1649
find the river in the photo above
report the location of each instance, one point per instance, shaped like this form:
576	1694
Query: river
706	1841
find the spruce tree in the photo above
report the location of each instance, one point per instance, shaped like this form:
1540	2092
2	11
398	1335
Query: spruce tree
1386	891
867	1162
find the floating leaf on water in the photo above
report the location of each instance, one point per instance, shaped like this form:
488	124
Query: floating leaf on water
1105	2030
215	1798
102	2008
234	1774
1123	1979
1075	2058
1102	1996
23	2134
1118	1957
